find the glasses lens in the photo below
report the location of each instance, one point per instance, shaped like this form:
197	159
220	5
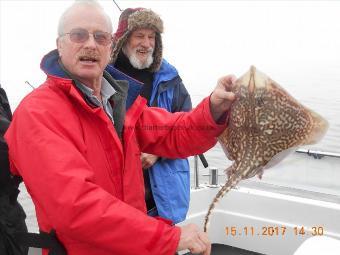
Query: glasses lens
102	38
79	35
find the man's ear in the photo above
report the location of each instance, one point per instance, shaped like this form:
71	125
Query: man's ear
59	45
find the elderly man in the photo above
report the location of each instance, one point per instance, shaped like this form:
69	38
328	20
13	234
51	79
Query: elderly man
137	54
79	152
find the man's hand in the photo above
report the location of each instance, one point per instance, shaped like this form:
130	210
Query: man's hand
222	97
148	160
194	239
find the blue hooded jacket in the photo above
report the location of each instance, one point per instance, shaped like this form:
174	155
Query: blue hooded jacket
169	178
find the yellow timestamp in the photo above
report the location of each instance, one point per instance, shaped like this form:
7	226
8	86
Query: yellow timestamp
273	231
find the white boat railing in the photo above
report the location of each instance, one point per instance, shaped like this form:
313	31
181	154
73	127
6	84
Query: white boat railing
213	172
196	174
318	154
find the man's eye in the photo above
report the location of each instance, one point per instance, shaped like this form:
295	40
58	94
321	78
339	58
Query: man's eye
100	37
78	35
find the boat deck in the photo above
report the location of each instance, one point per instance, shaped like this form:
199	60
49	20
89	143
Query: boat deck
253	211
221	249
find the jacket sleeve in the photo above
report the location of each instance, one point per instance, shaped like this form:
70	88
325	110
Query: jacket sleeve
5	118
180	134
61	184
181	101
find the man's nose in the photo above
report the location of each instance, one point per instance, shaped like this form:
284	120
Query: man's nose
90	42
147	42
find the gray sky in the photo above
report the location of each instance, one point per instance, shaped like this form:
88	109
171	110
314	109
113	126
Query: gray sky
204	39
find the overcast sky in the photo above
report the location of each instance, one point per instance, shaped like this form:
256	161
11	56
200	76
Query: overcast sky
203	39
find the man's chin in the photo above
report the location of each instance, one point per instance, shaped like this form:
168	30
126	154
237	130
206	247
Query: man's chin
143	60
89	71
141	64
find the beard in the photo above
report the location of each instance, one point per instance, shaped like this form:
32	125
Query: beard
135	61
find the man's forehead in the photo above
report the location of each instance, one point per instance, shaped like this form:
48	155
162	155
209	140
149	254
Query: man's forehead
86	17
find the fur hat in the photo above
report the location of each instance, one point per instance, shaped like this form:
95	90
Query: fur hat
133	19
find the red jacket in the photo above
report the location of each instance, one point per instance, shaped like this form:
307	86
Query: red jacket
87	184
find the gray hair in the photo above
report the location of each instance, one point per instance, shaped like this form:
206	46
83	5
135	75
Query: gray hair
92	3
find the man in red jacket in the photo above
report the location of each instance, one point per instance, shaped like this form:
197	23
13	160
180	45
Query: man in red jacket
78	151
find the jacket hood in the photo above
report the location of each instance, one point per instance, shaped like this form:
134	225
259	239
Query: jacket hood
50	65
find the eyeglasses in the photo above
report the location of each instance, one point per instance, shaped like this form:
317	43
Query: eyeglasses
81	35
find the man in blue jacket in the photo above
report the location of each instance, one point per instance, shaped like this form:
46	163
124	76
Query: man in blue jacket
137	57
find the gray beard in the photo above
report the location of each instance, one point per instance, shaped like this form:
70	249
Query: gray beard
136	63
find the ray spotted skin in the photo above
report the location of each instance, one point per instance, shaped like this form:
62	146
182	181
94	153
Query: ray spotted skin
264	122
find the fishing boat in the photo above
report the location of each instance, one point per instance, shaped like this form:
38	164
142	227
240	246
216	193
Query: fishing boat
265	218
280	214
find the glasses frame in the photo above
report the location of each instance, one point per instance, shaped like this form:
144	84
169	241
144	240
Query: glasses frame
94	34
